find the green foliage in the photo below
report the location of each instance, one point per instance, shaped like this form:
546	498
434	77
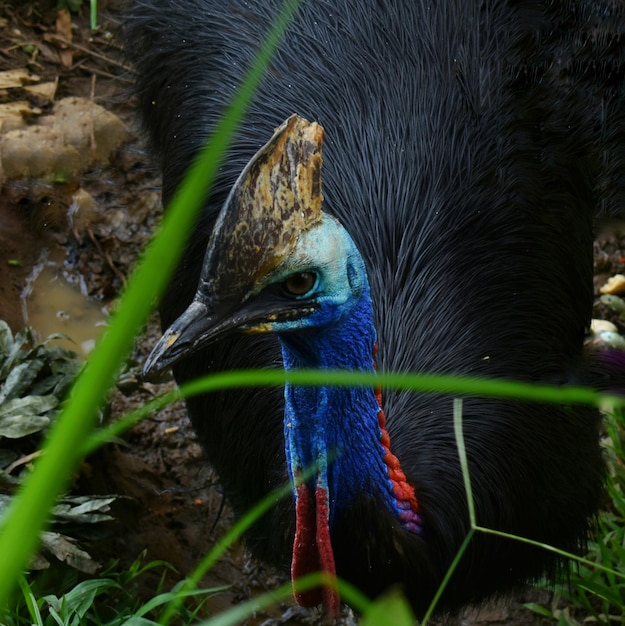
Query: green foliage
70	5
109	600
389	609
596	587
34	380
75	5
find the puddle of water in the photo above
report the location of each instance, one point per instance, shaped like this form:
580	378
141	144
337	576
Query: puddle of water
51	304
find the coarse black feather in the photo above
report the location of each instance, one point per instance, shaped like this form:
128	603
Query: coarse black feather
468	146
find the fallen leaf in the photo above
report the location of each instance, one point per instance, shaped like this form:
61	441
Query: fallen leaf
12	115
64	30
64	550
14	78
44	90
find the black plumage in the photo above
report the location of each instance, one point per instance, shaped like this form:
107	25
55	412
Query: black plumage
468	146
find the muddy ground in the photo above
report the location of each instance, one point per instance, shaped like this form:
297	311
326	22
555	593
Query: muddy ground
174	511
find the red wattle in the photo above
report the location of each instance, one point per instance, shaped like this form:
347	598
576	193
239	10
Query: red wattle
312	548
331	600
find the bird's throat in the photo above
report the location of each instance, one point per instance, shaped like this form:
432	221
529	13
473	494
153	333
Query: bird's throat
337	448
312	546
328	476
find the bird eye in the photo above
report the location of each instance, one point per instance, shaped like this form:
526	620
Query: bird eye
300	283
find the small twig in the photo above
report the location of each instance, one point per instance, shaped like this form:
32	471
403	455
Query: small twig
23	460
88	51
92	124
104	74
106	256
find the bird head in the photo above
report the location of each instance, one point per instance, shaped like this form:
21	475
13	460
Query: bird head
275	261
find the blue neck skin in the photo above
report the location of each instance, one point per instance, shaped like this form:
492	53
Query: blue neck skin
336	428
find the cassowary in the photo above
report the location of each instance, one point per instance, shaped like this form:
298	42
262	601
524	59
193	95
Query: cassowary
448	230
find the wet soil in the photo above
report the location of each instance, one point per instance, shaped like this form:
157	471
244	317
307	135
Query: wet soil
174	511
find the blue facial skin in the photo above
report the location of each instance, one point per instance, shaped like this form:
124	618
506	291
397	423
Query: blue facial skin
333	428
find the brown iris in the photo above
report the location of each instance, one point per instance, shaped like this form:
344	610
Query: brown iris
300	283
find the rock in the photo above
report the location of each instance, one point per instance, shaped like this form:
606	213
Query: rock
12	115
83	213
95	132
616	284
78	134
38	151
600	326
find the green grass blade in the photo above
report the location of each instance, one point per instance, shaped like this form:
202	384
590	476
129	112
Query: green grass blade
447	577
30	601
445	384
233	534
441	383
93	14
545	546
246	609
464	461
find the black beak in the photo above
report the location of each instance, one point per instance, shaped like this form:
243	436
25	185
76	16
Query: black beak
206	321
194	329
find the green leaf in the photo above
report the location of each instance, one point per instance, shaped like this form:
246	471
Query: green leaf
391	608
139	621
169	596
20	378
30	405
539	609
6	338
31	603
84	509
23	416
12	349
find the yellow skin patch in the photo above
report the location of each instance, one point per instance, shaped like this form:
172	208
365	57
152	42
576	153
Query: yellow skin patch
259	328
171	340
